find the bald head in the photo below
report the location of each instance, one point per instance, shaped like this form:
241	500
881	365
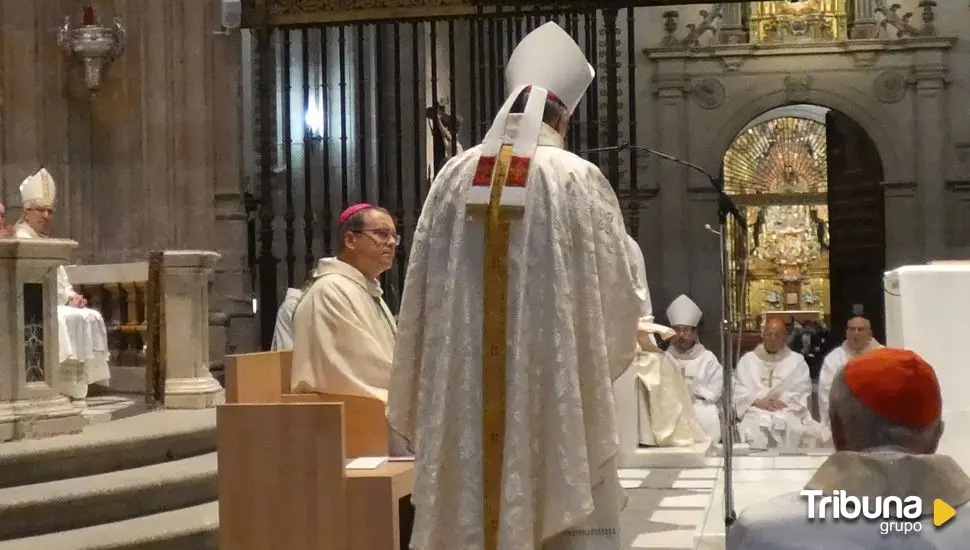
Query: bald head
858	333
774	335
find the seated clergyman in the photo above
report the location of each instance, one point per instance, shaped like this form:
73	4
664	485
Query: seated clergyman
702	371
858	340
82	337
773	386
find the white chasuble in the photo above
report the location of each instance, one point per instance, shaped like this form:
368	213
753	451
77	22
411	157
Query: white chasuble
283	331
666	414
82	337
782	376
833	363
573	307
343	335
705	382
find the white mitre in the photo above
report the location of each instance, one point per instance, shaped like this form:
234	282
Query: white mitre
547	61
550	59
683	312
38	190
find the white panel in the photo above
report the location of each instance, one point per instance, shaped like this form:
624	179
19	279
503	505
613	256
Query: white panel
928	311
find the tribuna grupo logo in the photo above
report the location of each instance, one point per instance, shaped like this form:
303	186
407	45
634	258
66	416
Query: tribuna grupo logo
894	514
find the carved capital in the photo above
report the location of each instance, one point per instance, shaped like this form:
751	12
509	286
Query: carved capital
671	85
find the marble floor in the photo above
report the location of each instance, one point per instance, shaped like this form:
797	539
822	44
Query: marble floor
682	508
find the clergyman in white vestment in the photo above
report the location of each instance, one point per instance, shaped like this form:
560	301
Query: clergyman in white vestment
343	332
773	387
858	340
82	336
702	370
283	331
886	426
665	412
573	305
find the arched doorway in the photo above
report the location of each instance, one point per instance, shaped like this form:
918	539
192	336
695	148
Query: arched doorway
810	182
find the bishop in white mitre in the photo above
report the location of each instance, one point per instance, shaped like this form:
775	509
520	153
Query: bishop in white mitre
702	370
665	411
565	330
858	340
82	337
771	399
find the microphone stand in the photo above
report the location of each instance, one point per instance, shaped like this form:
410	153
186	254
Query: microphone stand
726	208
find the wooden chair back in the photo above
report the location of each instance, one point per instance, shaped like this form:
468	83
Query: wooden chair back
265	378
282	482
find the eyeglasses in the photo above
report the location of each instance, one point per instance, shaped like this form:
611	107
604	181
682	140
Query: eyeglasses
385	235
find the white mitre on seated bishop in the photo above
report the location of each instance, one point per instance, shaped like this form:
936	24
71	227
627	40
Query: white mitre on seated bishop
684	312
38	190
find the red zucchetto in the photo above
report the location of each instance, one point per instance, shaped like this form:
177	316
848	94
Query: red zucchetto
346	214
898	385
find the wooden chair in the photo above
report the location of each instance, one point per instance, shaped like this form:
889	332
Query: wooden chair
265	378
282	482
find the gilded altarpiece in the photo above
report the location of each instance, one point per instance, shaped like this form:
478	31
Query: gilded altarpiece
776	172
805	21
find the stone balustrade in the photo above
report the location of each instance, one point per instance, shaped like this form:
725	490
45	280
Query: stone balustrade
156	313
29	405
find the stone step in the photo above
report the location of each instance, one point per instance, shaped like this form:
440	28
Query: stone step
192	528
151	438
74	503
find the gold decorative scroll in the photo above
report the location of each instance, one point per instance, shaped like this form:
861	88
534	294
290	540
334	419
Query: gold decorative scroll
494	349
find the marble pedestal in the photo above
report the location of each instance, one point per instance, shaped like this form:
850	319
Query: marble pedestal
184	283
928	311
29	352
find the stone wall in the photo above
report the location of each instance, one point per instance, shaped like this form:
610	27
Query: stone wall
152	160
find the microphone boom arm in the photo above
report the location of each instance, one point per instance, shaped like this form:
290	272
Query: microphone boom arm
726	204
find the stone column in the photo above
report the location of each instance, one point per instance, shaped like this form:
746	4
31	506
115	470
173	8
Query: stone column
184	284
732	24
671	115
930	165
864	22
29	350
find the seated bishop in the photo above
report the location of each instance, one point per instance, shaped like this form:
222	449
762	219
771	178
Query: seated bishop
773	385
702	371
665	412
82	337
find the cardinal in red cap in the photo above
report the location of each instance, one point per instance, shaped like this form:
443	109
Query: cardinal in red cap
886	424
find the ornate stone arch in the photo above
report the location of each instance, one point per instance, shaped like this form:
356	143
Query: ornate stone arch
745	109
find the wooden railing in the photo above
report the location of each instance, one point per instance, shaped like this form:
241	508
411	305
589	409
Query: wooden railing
120	293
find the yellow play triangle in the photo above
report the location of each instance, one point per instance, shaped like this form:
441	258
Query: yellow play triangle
942	512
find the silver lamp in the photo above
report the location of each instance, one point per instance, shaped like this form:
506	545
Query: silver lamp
95	45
